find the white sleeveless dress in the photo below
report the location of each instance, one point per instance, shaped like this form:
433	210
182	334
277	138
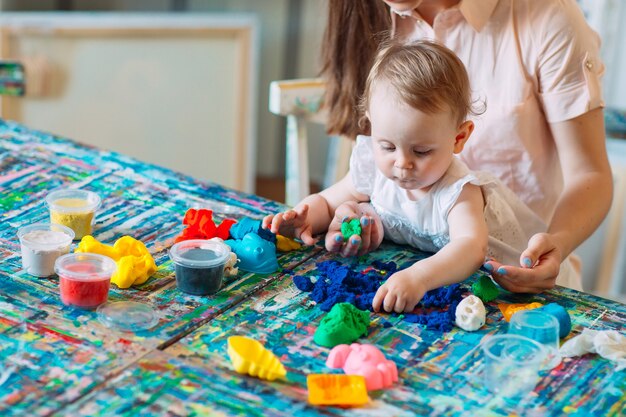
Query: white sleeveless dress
423	223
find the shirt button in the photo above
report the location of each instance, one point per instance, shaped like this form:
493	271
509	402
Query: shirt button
589	64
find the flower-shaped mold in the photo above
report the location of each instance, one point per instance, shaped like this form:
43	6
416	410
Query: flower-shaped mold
248	356
335	389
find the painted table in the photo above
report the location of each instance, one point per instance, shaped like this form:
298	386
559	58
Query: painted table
65	362
67	352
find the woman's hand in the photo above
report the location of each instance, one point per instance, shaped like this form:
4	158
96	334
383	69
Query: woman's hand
371	230
400	293
538	270
291	223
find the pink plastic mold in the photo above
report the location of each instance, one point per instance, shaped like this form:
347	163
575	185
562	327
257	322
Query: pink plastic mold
365	360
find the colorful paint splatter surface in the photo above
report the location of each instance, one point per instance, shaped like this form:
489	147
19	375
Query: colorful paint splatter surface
58	360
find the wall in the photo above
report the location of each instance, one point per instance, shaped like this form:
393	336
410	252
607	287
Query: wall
280	57
606	17
145	84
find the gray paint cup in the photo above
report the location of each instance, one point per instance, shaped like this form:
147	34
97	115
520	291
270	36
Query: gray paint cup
199	265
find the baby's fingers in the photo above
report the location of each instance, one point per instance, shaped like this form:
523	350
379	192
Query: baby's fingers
399	305
267	221
379	297
307	238
301	210
390	302
280	219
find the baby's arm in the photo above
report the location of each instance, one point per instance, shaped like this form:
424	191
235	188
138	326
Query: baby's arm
314	213
460	258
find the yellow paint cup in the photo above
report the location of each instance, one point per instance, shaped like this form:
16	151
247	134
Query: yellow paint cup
74	209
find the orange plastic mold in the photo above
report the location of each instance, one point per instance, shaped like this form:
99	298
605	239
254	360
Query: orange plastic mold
509	309
337	389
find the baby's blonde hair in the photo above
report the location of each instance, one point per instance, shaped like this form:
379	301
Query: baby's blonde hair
426	75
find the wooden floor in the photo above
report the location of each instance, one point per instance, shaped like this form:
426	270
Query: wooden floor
274	188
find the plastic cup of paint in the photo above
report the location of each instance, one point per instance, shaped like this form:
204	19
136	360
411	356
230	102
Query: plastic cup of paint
74	209
84	279
540	327
199	265
512	364
41	245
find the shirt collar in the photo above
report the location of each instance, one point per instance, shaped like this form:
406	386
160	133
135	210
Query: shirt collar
476	12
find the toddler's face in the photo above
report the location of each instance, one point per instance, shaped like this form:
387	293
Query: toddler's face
412	148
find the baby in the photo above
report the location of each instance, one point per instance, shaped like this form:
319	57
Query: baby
405	181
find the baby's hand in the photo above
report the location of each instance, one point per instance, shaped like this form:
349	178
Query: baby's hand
400	293
367	241
291	223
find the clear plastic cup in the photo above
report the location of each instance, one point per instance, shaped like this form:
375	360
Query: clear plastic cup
199	265
41	245
512	364
74	209
84	279
540	327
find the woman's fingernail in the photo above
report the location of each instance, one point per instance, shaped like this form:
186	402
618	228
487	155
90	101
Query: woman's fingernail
338	238
501	271
488	267
527	262
365	221
345	219
355	241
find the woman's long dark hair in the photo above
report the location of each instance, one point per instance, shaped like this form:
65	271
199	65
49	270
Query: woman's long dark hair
353	32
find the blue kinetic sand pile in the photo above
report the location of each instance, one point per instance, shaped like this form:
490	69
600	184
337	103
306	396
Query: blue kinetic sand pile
338	283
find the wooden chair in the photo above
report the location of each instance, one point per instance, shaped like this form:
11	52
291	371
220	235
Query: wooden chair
300	101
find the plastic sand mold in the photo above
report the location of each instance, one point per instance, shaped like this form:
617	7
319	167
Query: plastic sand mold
335	389
134	262
248	356
509	309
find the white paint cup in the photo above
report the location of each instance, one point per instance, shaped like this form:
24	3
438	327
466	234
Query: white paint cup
41	245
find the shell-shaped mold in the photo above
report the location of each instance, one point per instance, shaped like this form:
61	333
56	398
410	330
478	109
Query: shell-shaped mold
248	356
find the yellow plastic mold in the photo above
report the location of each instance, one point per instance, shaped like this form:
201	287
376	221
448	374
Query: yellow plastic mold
248	356
285	244
134	262
337	389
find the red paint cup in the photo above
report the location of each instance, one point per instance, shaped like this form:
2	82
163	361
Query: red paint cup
84	279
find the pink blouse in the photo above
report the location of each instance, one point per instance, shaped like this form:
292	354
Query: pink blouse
532	63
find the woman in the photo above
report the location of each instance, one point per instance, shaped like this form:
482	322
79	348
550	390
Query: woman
536	65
